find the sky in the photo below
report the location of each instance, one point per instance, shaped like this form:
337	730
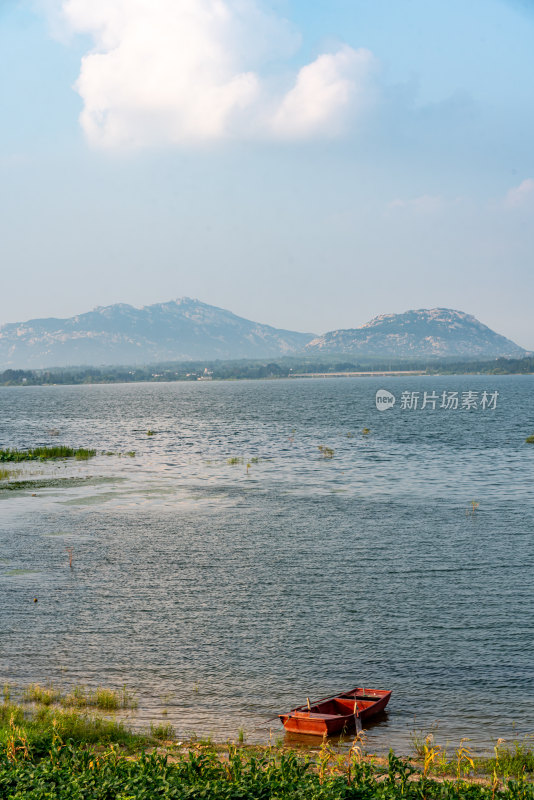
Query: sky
308	164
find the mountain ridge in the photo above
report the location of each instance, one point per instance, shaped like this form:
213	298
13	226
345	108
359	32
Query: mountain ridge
186	329
439	332
182	329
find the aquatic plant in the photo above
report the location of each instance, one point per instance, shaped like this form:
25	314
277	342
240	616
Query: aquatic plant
44	695
150	432
366	431
6	474
162	731
102	698
46	453
530	439
327	452
70	551
234	460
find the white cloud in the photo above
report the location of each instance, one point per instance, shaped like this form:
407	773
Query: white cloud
187	71
520	195
325	93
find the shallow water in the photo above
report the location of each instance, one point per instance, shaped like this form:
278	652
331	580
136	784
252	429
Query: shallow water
223	596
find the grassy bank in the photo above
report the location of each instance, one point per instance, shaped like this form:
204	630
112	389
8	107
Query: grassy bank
52	752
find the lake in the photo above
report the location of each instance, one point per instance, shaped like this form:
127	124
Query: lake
223	594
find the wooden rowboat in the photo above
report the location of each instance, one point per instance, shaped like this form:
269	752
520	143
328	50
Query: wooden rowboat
342	712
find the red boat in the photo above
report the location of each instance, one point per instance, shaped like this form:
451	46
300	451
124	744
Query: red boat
342	712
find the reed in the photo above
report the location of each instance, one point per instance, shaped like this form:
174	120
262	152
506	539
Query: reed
162	731
43	695
101	698
6	474
46	453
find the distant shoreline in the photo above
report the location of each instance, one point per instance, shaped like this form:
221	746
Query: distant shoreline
246	369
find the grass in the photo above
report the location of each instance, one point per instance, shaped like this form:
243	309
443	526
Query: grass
163	732
6	474
102	698
513	759
46	453
50	753
39	729
44	695
66	768
80	697
530	439
234	460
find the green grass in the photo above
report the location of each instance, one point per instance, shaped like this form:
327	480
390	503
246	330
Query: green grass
50	753
530	439
38	729
234	460
80	697
162	731
105	699
44	695
68	771
512	758
46	453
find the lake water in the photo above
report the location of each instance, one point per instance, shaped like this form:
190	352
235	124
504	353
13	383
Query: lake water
223	595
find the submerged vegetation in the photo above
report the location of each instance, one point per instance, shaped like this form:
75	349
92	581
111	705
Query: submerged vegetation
46	453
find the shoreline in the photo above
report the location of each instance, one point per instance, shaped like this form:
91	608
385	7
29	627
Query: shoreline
56	754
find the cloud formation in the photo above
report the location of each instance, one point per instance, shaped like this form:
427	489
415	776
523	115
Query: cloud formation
521	195
187	71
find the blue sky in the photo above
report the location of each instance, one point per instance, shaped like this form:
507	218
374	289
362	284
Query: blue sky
305	164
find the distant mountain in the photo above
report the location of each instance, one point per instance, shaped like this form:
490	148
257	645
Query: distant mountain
440	332
180	330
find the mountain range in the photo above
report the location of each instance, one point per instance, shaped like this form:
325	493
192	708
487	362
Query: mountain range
434	332
188	330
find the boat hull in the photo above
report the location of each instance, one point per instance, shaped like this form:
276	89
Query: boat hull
344	712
